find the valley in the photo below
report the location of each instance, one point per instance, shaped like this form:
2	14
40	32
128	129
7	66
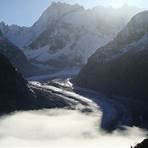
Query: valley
76	78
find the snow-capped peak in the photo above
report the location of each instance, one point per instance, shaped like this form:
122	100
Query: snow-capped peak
70	33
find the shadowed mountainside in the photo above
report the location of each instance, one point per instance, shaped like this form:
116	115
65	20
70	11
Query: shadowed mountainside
16	94
120	68
15	55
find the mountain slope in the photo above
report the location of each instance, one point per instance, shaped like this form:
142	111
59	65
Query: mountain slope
15	55
18	94
120	68
63	35
122	63
14	93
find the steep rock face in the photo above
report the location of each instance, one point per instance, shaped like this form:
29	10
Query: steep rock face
15	55
120	67
63	35
18	94
14	93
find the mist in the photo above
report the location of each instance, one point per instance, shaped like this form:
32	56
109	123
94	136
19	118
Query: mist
62	129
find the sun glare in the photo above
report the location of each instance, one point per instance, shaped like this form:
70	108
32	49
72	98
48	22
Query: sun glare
119	3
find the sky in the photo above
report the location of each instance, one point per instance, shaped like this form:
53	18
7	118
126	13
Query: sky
26	12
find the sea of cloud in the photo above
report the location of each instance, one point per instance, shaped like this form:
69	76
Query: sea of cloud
59	128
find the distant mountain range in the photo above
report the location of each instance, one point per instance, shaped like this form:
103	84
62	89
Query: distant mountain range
66	35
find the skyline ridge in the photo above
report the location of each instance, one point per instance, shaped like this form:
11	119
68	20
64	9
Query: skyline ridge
31	18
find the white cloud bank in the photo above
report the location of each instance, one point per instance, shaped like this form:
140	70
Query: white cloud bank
61	129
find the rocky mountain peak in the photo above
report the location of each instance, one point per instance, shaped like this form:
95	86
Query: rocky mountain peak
140	22
64	5
135	29
58	9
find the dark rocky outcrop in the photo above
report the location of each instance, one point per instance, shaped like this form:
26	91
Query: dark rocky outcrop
143	144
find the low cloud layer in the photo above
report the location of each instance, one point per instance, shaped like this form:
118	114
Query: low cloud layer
61	129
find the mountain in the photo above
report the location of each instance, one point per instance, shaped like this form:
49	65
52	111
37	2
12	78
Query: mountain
14	93
66	35
15	55
120	68
17	94
122	62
